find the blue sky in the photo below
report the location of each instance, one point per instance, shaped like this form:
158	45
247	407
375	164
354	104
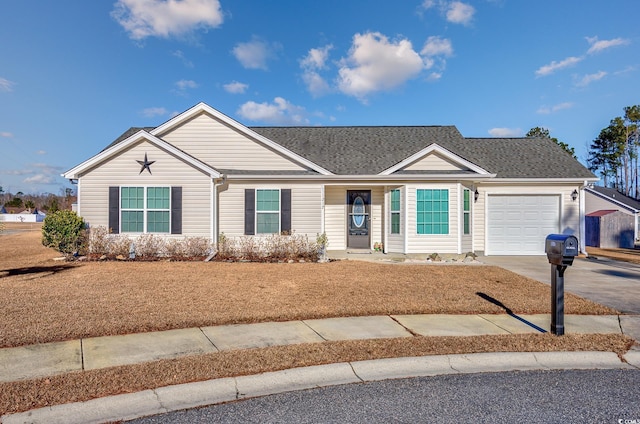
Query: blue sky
75	74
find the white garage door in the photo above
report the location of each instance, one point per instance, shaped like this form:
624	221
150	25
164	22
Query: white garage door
518	225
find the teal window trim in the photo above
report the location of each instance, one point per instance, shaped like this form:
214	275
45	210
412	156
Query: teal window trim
466	212
395	211
432	211
268	205
145	209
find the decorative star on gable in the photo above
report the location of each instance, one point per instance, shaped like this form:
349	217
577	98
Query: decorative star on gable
146	164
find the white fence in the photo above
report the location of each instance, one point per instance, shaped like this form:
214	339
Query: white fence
21	217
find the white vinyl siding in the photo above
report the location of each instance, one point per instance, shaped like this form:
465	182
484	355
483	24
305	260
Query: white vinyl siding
124	170
225	148
434	162
306	210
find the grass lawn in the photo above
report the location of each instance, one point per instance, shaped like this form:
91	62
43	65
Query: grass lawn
44	300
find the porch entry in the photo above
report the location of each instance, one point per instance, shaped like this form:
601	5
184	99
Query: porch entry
359	219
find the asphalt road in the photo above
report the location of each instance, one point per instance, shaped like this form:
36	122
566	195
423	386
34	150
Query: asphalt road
593	396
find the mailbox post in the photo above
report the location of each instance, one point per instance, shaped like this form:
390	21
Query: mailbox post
560	249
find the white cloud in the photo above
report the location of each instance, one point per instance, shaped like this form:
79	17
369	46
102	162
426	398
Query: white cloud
545	110
376	64
16	172
505	132
434	51
588	79
6	134
455	12
314	61
280	112
254	54
41	152
180	55
316	58
150	112
460	13
40	179
600	45
235	87
435	46
6	85
185	84
554	66
166	18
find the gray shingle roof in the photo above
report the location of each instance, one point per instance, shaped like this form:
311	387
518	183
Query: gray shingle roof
371	150
615	194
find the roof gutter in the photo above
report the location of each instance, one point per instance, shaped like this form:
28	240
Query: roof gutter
376	178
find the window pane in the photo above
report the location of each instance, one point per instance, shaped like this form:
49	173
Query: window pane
158	198
432	207
132	198
395	223
466	200
395	200
466	223
268	223
132	221
268	200
158	221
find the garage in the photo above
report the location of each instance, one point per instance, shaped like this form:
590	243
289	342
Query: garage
518	225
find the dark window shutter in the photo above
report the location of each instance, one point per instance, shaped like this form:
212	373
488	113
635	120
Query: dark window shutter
285	210
114	210
176	210
249	212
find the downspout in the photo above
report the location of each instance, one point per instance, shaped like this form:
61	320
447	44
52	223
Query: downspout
215	183
582	208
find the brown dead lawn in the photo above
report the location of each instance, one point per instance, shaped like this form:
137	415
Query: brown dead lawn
81	386
44	300
626	255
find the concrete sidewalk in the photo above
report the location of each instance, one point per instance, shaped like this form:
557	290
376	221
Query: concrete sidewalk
27	362
49	359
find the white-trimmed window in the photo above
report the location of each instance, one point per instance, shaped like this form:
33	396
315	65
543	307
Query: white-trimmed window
466	212
267	211
145	209
432	211
395	211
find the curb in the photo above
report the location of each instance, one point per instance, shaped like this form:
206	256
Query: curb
212	392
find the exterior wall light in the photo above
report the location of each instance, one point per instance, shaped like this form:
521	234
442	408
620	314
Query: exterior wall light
476	195
574	195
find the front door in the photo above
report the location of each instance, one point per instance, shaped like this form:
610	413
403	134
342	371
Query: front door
358	219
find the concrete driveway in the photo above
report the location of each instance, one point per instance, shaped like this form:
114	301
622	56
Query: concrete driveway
612	283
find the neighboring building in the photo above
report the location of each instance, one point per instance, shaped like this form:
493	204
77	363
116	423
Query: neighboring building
414	189
603	198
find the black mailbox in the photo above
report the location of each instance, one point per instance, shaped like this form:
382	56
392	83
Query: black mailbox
561	249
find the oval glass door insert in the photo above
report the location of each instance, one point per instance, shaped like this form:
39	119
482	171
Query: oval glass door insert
358	210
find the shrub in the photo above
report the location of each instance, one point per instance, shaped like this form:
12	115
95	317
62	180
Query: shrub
63	231
149	245
99	240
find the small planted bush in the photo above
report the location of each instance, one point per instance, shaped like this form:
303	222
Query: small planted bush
273	248
64	231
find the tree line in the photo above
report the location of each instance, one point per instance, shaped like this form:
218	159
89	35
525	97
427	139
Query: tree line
614	153
46	202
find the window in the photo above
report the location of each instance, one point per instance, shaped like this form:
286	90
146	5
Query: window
267	211
432	211
395	211
144	209
466	212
